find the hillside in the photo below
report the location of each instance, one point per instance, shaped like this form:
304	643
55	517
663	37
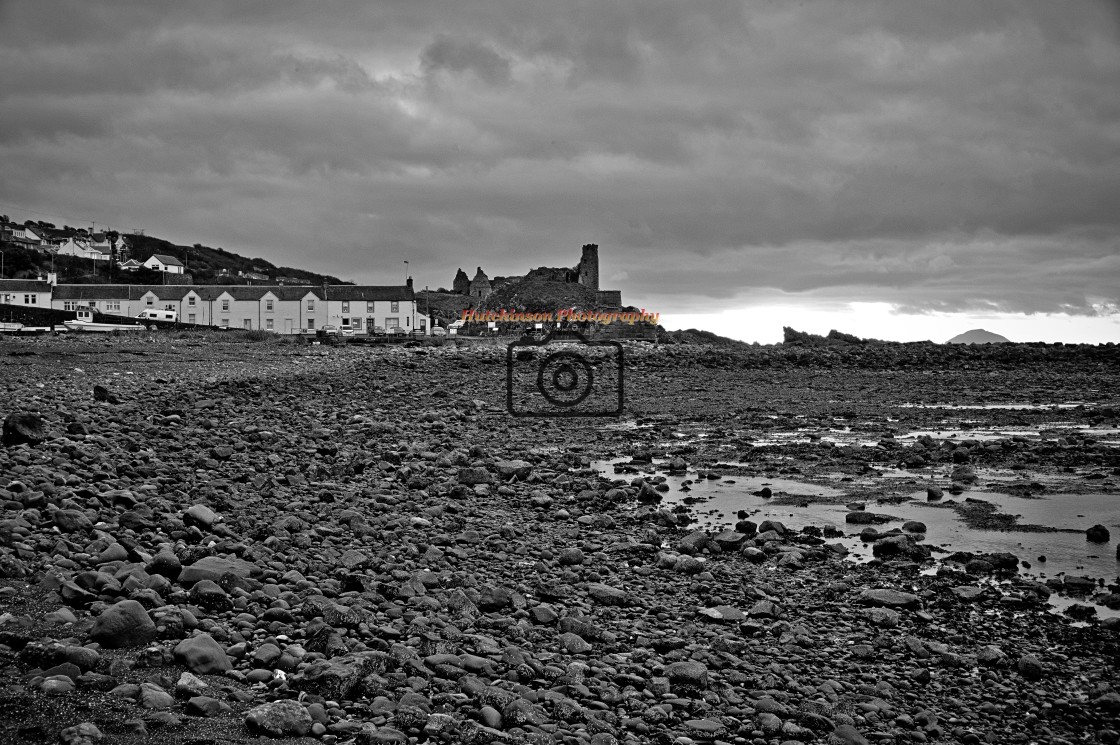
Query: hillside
206	265
978	336
540	296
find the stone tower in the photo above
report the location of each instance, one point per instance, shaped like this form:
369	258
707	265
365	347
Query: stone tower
480	285
589	266
462	283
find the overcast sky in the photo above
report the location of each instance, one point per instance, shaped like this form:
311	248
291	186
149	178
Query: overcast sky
927	160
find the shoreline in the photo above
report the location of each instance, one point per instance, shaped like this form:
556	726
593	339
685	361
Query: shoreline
443	572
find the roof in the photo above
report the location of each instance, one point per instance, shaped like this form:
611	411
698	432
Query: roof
358	293
370	292
167	260
98	292
24	285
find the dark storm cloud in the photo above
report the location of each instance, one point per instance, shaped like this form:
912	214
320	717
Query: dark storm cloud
459	55
937	156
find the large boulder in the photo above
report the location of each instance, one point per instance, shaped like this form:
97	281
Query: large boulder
887	598
22	428
1097	534
125	624
213	567
607	595
202	655
900	545
279	719
514	469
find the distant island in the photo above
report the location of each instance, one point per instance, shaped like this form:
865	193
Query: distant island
978	336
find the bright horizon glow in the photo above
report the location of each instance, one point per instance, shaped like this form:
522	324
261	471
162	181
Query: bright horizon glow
763	324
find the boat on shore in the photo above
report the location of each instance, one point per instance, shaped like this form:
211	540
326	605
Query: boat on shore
85	322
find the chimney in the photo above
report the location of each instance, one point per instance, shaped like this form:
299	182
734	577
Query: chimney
408	283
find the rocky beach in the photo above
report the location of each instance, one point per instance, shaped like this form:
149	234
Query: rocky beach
212	540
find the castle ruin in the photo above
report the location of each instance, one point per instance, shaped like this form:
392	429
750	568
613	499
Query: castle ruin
585	273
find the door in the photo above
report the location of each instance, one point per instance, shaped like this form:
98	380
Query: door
249	323
289	326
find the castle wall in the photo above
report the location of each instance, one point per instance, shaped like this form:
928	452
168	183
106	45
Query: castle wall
608	299
588	269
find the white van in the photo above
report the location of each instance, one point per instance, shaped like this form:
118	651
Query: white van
159	315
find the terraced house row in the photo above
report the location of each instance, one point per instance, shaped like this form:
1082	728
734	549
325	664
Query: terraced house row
286	309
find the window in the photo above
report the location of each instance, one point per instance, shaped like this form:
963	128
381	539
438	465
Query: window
113	305
166	306
345	306
68	305
225	306
310	309
310	324
406	319
30	299
394	307
345	323
268	305
369	306
268	324
392	323
149	301
190	318
225	322
190	300
356	323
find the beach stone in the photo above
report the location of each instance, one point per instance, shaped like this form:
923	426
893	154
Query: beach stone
1030	667
723	614
213	567
202	655
846	734
279	719
85	733
513	469
209	595
914	526
23	428
1098	534
200	515
899	545
125	624
607	595
887	598
204	706
154	697
474	476
687	676
882	617
166	564
964	475
72	521
991	655
57	685
934	493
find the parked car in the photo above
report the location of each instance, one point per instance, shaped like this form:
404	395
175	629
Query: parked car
419	332
397	331
439	331
377	330
347	332
327	330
